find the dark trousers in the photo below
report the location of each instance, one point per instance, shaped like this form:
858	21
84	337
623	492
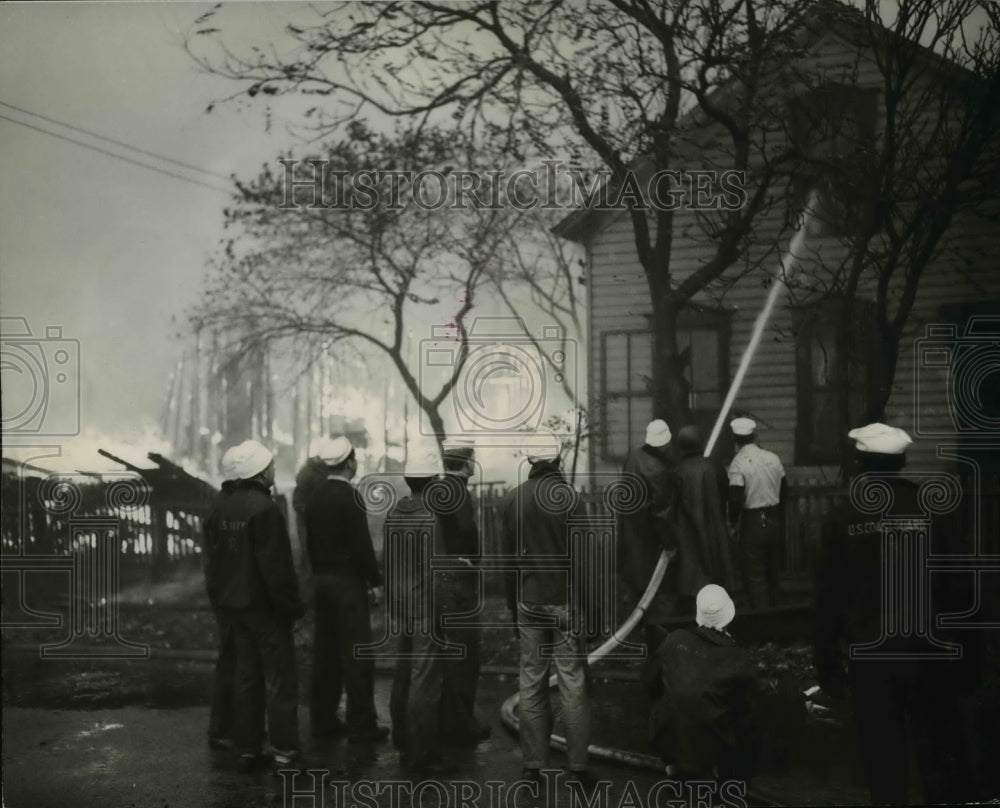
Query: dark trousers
894	700
266	674
221	717
415	702
343	621
761	552
461	676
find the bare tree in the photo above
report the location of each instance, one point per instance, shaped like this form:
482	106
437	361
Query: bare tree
363	272
618	79
930	154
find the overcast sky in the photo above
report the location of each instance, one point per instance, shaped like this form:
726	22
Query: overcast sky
112	252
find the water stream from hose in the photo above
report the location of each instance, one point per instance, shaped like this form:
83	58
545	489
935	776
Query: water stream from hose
789	262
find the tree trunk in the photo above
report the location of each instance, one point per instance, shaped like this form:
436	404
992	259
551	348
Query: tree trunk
886	353
670	387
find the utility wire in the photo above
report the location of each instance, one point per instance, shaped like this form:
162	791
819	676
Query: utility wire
117	142
117	156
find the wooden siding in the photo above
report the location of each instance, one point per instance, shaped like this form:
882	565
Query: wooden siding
619	301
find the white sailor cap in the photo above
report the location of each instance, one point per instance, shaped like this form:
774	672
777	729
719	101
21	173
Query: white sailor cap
743	426
332	451
880	439
658	433
547	448
249	459
715	608
227	465
459	447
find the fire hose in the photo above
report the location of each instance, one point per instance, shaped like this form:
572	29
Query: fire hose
508	712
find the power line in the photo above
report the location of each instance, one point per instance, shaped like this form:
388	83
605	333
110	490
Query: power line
117	142
116	156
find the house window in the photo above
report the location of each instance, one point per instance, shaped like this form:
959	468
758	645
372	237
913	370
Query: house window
833	129
627	362
628	400
828	403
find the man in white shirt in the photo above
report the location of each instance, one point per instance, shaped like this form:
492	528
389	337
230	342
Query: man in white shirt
757	488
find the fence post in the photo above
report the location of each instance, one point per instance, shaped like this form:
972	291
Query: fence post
158	532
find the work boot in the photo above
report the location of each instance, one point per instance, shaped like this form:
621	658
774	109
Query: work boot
289	759
253	761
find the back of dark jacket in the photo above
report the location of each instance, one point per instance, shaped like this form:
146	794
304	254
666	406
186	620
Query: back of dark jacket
534	524
337	536
706	686
409	524
461	532
850	604
646	532
248	561
703	555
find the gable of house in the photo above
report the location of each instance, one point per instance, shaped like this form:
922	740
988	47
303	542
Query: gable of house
787	386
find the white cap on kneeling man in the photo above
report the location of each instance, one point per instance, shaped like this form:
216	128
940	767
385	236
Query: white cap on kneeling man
715	608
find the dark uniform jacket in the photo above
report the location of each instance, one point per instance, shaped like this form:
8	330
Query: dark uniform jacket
703	553
408	523
849	596
461	531
337	536
534	524
643	535
248	553
705	688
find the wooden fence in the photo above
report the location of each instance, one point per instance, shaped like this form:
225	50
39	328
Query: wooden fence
45	517
809	501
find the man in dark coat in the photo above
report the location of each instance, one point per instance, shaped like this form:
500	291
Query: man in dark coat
461	597
651	529
907	690
222	713
413	535
534	523
703	553
251	581
701	724
346	579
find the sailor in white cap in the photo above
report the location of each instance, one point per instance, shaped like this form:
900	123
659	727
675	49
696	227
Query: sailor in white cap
650	529
346	580
534	524
703	683
251	581
904	689
461	595
415	701
757	494
221	716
